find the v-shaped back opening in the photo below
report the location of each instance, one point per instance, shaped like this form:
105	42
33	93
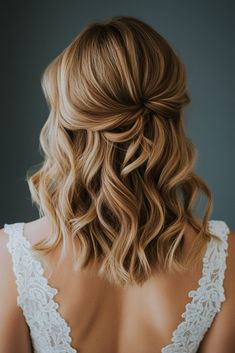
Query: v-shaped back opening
182	327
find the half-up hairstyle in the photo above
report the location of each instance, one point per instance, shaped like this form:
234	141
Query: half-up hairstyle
117	179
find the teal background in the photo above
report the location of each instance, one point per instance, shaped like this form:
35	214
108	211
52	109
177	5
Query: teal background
33	33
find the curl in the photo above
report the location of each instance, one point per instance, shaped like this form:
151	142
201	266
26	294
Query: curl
117	180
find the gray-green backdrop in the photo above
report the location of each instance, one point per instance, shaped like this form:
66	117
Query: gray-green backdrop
34	32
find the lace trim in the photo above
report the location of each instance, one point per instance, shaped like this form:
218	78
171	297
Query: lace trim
207	298
36	297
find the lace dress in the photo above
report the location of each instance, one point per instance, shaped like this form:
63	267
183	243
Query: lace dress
50	333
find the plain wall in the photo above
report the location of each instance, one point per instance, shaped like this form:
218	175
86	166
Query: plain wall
33	33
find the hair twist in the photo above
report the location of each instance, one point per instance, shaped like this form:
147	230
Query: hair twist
119	185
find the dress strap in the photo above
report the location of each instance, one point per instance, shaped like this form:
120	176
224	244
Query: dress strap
207	297
26	268
35	296
18	246
216	258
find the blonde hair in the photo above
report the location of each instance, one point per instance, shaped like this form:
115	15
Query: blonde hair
117	175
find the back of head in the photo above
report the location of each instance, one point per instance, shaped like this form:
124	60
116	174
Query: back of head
117	174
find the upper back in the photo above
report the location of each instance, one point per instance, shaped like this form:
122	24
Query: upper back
104	318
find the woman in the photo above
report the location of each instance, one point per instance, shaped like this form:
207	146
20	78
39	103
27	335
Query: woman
117	254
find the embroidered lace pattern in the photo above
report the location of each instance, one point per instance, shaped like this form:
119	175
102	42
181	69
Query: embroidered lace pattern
207	298
50	333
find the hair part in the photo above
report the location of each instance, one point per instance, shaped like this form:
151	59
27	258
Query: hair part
117	179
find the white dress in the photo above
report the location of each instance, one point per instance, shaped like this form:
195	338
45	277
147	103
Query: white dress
50	333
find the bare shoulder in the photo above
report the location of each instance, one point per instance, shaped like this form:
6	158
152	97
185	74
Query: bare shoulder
37	230
220	337
33	230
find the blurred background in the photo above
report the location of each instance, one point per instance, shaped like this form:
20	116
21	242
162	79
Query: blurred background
34	32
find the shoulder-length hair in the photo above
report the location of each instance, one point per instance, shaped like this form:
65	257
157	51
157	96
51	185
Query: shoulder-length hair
117	179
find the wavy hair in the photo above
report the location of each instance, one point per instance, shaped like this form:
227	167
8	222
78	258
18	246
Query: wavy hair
117	179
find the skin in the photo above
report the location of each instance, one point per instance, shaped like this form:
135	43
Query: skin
107	319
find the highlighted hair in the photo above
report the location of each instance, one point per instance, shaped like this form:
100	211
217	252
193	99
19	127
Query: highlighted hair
117	179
